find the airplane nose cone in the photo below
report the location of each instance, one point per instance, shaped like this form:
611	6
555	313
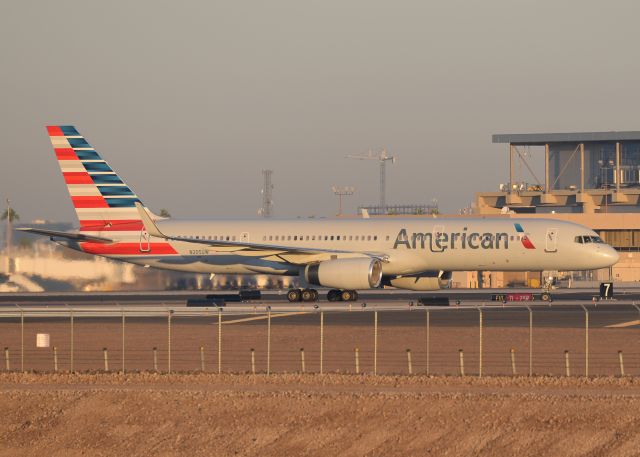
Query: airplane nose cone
608	256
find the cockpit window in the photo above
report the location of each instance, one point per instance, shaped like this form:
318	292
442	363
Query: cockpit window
588	239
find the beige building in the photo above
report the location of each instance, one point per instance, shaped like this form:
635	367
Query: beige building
590	178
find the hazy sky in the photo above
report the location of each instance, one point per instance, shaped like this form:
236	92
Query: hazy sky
188	101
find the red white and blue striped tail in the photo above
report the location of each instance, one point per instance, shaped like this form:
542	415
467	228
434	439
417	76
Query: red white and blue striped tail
103	202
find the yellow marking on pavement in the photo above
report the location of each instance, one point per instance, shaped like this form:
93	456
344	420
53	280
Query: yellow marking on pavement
624	324
262	317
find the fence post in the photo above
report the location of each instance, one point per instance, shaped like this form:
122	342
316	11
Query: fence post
55	358
621	363
375	342
461	356
201	358
72	351
480	348
357	361
169	341
106	359
21	340
6	359
155	359
321	342
253	361
513	361
530	341
566	363
586	340
269	342
428	337
123	328
219	340
409	364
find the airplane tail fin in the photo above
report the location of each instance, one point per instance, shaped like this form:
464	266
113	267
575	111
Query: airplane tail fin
103	202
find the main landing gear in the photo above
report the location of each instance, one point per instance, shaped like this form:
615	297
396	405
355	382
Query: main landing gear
295	295
342	295
311	295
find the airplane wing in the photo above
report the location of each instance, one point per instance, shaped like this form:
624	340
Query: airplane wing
68	235
285	252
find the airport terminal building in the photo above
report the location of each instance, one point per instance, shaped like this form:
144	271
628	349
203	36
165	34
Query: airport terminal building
590	178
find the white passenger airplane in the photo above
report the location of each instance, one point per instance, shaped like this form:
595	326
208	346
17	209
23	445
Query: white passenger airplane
344	255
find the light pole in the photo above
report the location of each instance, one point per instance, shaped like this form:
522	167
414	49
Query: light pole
340	192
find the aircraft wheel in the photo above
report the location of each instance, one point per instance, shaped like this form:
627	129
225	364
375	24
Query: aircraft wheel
309	295
294	295
315	294
333	295
545	297
347	295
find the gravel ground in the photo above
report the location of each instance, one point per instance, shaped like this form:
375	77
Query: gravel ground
205	414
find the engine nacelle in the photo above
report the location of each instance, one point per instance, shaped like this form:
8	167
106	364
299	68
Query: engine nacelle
434	281
356	273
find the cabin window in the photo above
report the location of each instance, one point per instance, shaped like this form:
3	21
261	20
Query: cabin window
387	237
338	238
307	237
313	238
295	238
375	238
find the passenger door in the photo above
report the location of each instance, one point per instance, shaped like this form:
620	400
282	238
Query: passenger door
551	240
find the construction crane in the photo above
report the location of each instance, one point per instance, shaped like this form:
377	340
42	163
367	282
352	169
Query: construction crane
382	157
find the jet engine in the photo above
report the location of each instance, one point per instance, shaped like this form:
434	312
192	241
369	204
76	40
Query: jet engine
435	280
356	273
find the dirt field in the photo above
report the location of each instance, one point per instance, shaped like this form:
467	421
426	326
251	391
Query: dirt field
316	415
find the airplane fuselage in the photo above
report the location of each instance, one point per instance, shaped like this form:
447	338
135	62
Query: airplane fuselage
409	246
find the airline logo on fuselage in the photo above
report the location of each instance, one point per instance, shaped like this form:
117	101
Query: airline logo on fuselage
441	241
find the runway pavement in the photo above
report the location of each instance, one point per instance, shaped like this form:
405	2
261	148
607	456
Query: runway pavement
177	297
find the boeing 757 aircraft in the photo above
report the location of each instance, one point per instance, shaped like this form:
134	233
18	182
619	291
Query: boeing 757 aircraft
344	255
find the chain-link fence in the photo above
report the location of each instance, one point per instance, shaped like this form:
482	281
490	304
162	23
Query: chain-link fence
478	341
